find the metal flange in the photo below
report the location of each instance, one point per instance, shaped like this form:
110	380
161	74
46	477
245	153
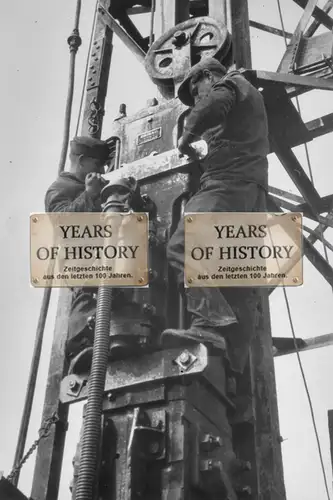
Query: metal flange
208	38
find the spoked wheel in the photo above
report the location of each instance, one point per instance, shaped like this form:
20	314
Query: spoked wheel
207	37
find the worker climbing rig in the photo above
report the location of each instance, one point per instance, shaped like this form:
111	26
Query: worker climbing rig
174	423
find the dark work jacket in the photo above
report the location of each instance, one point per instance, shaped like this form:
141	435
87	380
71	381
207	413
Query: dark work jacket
67	194
232	120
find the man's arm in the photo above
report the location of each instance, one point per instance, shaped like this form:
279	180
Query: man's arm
210	111
57	201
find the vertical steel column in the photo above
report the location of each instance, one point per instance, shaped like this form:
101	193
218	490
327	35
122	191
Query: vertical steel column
47	472
98	75
174	12
217	9
239	14
265	440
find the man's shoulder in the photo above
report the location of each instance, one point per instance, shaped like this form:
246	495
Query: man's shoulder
66	180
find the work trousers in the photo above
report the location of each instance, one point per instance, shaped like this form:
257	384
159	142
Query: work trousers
222	196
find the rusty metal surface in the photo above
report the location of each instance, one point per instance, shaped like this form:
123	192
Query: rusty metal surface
194	456
267	434
153	367
98	77
205	37
152	167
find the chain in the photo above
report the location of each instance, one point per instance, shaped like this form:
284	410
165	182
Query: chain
95	116
43	432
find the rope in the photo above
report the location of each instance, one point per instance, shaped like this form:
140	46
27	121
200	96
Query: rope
86	70
74	42
288	305
307	392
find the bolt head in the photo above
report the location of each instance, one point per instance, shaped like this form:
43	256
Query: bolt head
185	358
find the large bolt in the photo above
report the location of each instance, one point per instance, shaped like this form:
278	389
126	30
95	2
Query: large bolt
210	442
73	384
185	358
179	38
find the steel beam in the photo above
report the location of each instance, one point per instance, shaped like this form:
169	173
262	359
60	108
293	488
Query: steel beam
312	254
285	194
298	175
320	126
284	346
318	14
315	24
127	40
315	234
270	29
261	443
306	82
98	76
45	485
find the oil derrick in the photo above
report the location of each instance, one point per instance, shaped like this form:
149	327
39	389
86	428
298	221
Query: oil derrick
175	424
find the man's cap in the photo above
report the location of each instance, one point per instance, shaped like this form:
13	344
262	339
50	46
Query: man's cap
209	63
88	146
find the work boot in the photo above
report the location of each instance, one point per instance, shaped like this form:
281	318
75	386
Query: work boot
210	313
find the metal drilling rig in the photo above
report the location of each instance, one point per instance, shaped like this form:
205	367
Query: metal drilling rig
175	423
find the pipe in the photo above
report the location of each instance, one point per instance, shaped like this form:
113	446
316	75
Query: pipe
74	42
86	482
88	468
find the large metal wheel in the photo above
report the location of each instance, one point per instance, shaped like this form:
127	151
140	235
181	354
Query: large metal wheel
208	38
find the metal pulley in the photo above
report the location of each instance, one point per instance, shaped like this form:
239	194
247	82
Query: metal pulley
203	36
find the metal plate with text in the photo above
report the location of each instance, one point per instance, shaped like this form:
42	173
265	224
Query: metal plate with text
150	135
243	249
89	249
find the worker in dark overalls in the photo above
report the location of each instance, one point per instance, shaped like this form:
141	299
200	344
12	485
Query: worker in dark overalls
79	190
229	114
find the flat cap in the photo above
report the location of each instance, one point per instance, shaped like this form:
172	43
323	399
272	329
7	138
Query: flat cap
88	146
209	63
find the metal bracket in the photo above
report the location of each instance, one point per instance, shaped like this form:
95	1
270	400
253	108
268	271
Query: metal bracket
152	167
155	367
185	360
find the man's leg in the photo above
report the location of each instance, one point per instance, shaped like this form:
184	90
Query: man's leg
212	314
